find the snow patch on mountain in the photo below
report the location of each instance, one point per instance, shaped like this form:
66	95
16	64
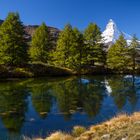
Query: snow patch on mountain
112	33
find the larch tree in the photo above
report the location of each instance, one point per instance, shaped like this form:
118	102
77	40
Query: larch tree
64	43
117	56
76	51
13	47
93	46
133	52
40	45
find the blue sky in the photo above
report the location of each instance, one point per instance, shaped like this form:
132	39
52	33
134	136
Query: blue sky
57	13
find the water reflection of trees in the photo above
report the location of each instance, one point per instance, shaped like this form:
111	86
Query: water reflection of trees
71	95
123	90
75	95
13	105
41	99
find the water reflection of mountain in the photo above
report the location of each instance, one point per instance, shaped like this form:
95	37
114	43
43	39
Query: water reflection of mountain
96	97
124	90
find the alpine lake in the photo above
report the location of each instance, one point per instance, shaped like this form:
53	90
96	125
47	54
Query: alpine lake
38	107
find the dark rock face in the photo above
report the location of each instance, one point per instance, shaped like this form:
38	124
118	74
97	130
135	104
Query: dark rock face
30	29
1	21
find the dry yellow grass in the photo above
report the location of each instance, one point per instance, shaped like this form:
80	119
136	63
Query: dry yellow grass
60	136
122	127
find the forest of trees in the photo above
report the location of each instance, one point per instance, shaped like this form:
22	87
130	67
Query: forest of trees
75	50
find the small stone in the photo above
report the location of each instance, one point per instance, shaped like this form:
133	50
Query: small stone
125	138
105	137
138	122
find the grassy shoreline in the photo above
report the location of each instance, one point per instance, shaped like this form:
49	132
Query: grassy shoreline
41	70
33	70
122	127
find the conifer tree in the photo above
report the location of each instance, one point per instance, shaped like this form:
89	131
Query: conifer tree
133	52
117	57
76	51
40	45
93	46
69	49
13	47
64	43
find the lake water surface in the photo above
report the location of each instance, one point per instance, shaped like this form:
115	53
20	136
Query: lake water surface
38	107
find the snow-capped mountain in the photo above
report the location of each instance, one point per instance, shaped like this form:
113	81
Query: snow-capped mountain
112	33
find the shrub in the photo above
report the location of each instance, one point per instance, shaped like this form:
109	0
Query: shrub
78	130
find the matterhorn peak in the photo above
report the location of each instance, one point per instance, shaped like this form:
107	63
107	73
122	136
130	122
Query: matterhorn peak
111	25
112	33
111	22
